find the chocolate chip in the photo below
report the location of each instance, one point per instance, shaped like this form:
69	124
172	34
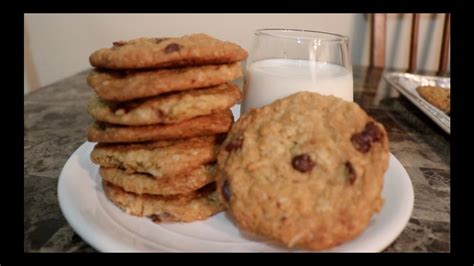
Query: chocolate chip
101	126
158	40
162	217
206	190
373	131
155	218
118	74
235	144
350	171
363	141
119	43
172	47
220	138
302	163
160	113
226	191
121	108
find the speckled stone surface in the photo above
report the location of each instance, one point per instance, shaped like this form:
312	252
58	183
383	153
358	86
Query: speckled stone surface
56	118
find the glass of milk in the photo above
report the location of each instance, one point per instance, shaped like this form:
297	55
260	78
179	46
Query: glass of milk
286	61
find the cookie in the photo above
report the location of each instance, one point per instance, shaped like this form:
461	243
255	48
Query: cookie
195	206
189	50
212	124
306	170
158	159
129	85
437	96
146	184
167	109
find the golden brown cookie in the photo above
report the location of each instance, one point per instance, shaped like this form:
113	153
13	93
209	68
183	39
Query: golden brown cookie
159	159
437	96
167	109
147	184
129	85
212	124
189	50
198	205
306	170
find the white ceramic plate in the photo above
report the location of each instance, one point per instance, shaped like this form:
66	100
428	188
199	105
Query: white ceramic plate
407	83
105	227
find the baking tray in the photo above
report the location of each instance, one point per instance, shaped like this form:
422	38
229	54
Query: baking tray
407	83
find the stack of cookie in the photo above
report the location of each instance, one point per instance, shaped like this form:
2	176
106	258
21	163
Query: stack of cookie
161	110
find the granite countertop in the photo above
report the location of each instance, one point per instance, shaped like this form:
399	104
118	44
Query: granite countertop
56	118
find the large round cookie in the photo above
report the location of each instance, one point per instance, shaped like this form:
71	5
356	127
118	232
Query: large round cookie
167	109
215	123
128	85
195	49
193	206
159	159
147	184
306	170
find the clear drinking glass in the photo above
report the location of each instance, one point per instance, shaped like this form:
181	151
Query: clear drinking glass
285	61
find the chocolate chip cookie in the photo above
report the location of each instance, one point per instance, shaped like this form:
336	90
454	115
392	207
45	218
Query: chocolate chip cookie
159	159
147	184
167	109
306	170
129	85
189	50
219	122
197	205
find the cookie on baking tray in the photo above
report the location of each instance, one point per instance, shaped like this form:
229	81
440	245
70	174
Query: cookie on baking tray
437	96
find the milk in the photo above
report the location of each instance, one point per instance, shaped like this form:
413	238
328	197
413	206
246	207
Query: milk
271	79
